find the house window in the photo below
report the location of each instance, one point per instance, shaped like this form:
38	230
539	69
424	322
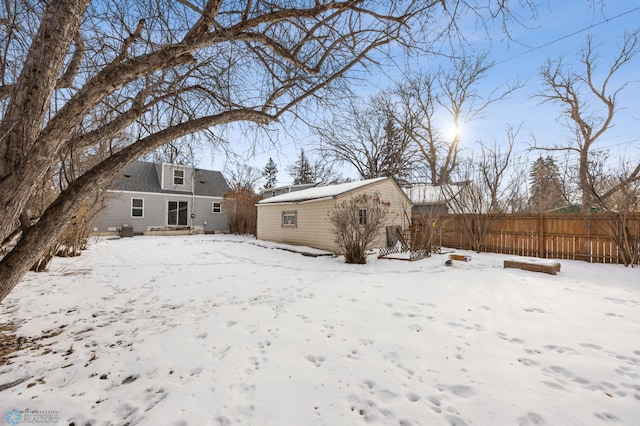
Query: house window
178	177
216	207
177	213
362	216
137	207
289	218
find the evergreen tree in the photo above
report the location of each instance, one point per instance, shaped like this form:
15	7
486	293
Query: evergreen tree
270	172
301	171
395	159
546	186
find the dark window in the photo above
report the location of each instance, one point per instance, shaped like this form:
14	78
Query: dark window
216	207
177	213
137	207
178	177
362	217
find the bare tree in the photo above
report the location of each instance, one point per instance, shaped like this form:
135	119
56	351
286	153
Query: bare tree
305	170
358	223
242	176
240	208
618	208
445	92
589	104
367	137
166	69
489	191
178	151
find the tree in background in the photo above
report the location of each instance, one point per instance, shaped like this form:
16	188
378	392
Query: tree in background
366	137
589	104
240	202
178	151
76	73
492	185
270	173
242	176
301	171
545	186
242	213
618	208
451	92
358	223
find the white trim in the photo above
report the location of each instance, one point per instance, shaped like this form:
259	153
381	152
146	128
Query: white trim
213	208
166	212
293	213
320	192
165	194
183	177
131	208
291	203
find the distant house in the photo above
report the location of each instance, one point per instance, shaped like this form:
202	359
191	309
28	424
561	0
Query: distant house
164	197
302	217
272	192
433	200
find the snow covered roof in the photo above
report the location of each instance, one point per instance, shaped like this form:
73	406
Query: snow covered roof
319	192
425	193
291	188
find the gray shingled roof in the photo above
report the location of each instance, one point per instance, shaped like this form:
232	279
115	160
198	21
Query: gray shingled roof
142	176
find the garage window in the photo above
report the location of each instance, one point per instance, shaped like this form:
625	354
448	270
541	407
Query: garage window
290	218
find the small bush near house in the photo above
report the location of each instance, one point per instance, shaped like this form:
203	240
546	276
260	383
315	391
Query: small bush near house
240	205
357	223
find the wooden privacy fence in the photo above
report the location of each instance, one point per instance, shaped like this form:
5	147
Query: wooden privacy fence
549	236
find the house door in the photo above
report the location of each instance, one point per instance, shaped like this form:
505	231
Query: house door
177	213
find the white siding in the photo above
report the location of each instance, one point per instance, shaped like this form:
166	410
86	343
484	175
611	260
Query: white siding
313	226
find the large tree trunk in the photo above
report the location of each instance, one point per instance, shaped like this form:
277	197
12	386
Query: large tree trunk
56	218
30	98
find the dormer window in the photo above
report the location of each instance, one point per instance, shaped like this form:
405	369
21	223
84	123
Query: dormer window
178	177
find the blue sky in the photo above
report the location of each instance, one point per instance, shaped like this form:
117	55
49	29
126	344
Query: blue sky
559	30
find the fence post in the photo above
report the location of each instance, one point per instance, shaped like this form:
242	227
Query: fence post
541	253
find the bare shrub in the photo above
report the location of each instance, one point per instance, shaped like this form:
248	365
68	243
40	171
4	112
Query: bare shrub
240	205
358	223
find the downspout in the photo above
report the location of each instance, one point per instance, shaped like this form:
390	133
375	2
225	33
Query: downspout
193	197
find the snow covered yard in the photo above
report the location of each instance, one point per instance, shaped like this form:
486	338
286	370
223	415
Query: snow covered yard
216	330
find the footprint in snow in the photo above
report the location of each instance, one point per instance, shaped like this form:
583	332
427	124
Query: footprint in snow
254	365
413	397
221	421
591	346
316	360
456	421
458	390
531	419
607	417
